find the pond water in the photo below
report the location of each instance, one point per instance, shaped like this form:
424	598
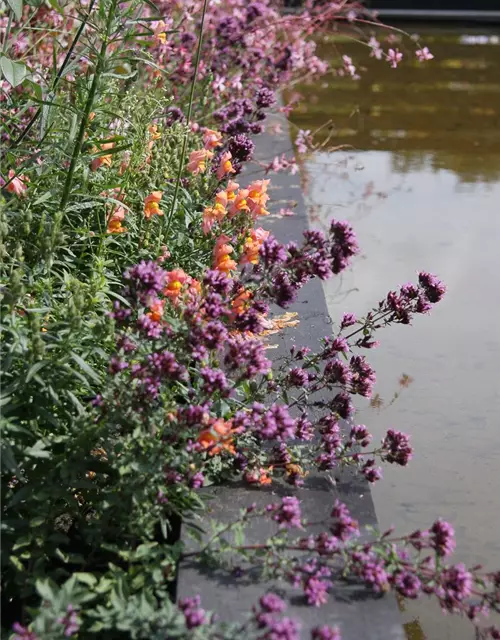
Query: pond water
420	180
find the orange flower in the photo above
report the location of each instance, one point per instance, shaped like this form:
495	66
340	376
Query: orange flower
17	184
159	28
104	160
222	250
225	166
258	197
176	279
218	438
115	221
259	476
211	139
153	135
215	213
252	246
240	303
239	203
198	161
156	310
231	190
151	204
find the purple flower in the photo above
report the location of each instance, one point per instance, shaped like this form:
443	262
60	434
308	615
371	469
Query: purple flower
345	527
246	354
334	346
23	633
217	281
375	575
316	591
265	98
361	435
325	633
454	586
397	448
442	538
370	471
337	372
348	319
193	614
197	480
276	423
363	376
288	514
116	365
173	114
241	147
70	621
272	252
304	429
407	584
213	380
433	287
272	603
344	245
146	279
298	377
342	405
284	629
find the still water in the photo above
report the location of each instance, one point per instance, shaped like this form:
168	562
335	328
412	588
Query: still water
419	178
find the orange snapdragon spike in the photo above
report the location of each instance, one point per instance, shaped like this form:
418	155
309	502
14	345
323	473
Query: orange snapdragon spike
17	184
222	250
218	438
252	246
211	139
258	197
239	203
104	160
198	161
151	204
215	213
153	132
259	476
176	279
225	166
240	303
231	190
156	310
115	221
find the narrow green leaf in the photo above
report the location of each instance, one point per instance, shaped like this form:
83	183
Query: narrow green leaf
85	367
35	369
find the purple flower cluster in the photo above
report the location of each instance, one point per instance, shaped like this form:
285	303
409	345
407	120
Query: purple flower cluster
455	586
70	622
275	424
344	245
397	448
22	633
407	583
345	527
287	514
241	147
362	376
194	615
265	98
442	538
247	355
145	280
214	380
325	633
274	628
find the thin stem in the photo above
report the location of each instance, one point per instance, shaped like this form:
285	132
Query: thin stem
88	108
64	64
7	33
188	118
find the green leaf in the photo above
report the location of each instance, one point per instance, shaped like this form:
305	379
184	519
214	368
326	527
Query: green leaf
35	369
37	450
13	72
86	578
85	367
7	459
44	590
17	8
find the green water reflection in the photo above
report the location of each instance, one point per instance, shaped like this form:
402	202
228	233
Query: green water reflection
419	178
444	114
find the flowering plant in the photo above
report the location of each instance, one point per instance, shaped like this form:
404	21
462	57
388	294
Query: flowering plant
137	285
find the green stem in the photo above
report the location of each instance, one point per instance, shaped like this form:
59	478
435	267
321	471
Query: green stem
88	108
7	33
188	118
67	58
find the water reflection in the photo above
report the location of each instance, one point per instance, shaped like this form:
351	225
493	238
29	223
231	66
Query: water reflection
421	185
447	112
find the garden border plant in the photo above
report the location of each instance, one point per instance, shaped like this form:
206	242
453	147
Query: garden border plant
136	293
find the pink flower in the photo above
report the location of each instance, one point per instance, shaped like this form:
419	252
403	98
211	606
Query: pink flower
219	83
211	139
198	161
424	54
215	213
225	166
394	57
176	279
16	184
376	50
